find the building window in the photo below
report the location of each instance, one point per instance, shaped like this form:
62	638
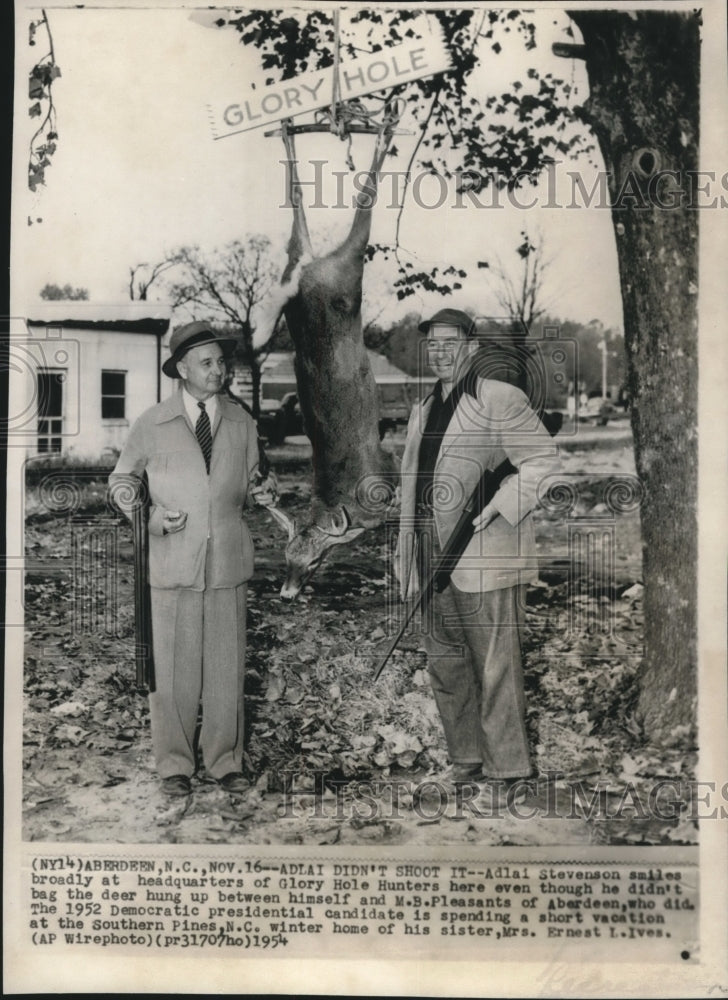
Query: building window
50	409
113	395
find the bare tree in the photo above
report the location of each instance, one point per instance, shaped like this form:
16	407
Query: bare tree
519	292
143	276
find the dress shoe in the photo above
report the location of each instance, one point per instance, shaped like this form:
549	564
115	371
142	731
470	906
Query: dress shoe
234	782
177	785
496	793
433	795
466	774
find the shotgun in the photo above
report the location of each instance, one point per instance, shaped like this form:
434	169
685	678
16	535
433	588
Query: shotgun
453	549
142	596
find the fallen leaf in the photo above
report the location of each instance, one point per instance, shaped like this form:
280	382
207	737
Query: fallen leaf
276	687
68	709
70	734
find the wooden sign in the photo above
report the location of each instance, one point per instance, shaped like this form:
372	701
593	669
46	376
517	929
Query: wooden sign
305	93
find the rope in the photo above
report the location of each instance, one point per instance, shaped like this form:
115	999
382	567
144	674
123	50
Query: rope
352	112
342	114
347	113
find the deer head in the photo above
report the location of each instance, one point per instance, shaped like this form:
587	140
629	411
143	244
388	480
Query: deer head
308	545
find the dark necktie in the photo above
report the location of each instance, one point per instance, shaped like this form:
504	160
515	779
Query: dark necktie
204	435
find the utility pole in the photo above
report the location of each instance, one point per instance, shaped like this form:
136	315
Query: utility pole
603	349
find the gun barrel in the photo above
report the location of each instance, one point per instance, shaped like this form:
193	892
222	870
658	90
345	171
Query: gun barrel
144	662
392	646
138	528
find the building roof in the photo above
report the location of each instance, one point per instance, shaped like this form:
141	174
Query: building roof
126	317
383	370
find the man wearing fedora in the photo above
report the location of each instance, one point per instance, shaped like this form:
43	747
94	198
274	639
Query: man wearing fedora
200	454
469	423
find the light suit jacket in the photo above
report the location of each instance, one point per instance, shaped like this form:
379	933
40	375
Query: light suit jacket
163	443
496	424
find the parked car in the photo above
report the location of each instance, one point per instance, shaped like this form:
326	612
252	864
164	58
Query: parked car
395	405
598	409
280	418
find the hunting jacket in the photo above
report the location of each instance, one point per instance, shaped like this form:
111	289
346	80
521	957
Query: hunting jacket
493	424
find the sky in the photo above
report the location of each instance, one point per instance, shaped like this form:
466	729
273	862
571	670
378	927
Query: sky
138	172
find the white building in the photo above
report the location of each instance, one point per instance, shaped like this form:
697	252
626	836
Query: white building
90	370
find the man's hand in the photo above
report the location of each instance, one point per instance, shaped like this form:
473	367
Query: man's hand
395	503
487	514
265	493
173	520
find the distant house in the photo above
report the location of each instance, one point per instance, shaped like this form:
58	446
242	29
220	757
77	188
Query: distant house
278	376
94	369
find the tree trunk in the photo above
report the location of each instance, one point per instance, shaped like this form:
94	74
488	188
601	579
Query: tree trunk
643	71
255	386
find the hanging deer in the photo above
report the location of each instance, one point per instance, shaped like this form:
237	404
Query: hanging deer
353	476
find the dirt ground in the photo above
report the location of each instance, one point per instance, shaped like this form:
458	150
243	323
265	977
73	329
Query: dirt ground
333	758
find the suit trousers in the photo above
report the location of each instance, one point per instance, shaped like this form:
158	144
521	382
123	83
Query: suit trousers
199	655
473	643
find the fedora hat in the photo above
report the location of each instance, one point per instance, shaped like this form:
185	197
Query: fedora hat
192	335
450	317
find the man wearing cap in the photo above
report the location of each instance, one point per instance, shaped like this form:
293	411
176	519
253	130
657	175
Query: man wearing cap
469	423
199	452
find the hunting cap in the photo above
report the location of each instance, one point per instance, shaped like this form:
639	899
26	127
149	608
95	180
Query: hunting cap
192	335
450	317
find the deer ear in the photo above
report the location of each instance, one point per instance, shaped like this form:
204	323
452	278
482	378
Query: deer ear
284	520
349	536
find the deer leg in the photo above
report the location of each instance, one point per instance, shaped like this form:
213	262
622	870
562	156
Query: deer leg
299	244
361	226
266	312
